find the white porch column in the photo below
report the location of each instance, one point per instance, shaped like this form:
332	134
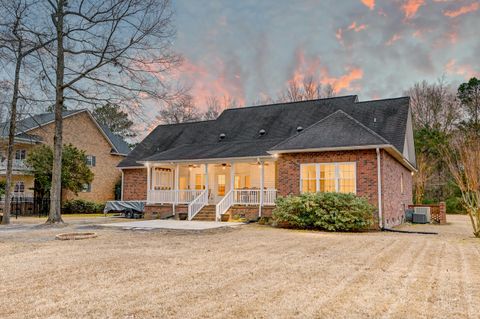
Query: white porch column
232	176
262	186
206	177
149	184
175	186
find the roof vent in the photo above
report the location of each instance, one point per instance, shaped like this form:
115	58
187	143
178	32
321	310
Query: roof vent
262	132
299	128
222	136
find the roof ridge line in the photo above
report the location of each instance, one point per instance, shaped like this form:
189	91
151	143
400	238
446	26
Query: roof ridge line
291	102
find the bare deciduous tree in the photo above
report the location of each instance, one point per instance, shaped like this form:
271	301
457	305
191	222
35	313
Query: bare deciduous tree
434	105
463	159
20	36
107	51
213	108
180	110
308	89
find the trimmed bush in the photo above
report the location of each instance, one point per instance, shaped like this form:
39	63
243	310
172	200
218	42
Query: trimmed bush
81	206
325	211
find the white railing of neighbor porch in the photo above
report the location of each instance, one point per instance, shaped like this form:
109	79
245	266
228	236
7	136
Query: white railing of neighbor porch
172	196
197	204
224	204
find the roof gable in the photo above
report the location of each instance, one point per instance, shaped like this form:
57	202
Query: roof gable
30	123
336	130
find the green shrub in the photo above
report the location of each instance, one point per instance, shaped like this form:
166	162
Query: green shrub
326	211
81	206
454	205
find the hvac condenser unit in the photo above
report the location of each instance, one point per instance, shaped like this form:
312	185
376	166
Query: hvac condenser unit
421	215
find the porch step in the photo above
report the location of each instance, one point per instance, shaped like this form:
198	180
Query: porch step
206	214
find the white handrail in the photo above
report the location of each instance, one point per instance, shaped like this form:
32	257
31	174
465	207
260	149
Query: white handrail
252	196
172	196
197	204
224	204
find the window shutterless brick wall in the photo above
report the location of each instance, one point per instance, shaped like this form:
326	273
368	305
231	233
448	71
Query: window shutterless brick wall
135	184
395	202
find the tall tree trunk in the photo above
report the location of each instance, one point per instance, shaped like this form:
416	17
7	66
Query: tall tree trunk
56	189
11	138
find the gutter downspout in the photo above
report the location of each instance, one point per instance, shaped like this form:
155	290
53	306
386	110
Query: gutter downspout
379	186
121	189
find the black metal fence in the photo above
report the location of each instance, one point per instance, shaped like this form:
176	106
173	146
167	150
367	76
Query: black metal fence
27	206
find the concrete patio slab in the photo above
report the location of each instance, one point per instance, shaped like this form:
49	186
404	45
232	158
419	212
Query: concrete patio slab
171	224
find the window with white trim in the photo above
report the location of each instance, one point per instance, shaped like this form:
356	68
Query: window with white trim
328	177
91	160
20	154
19	187
86	188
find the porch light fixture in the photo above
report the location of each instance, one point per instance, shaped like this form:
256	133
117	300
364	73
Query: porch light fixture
223	166
275	155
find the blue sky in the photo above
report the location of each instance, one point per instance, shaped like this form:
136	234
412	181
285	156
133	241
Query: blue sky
251	49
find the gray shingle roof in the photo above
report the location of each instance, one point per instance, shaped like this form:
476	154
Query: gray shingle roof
372	122
335	130
38	120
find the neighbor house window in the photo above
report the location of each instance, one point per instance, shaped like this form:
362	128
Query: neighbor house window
328	177
19	187
87	188
20	154
91	160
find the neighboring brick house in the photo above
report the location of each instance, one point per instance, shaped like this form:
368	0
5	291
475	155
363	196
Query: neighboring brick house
249	156
104	151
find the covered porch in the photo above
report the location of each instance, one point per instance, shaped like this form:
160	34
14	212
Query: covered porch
250	182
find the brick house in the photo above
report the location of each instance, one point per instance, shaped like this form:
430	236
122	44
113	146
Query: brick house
240	162
104	151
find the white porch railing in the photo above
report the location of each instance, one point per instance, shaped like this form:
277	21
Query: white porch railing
172	196
197	204
17	164
252	196
224	204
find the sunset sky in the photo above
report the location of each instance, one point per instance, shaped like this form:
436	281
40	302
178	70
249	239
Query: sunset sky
249	49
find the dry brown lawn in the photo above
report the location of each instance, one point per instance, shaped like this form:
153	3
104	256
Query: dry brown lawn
249	272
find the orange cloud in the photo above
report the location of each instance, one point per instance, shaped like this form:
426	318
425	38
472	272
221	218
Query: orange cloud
222	80
343	82
462	10
410	7
393	39
357	28
464	70
369	3
310	67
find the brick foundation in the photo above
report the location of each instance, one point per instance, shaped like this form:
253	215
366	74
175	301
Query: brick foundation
158	211
249	212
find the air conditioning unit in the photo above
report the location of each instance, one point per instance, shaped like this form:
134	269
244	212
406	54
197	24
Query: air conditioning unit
421	215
